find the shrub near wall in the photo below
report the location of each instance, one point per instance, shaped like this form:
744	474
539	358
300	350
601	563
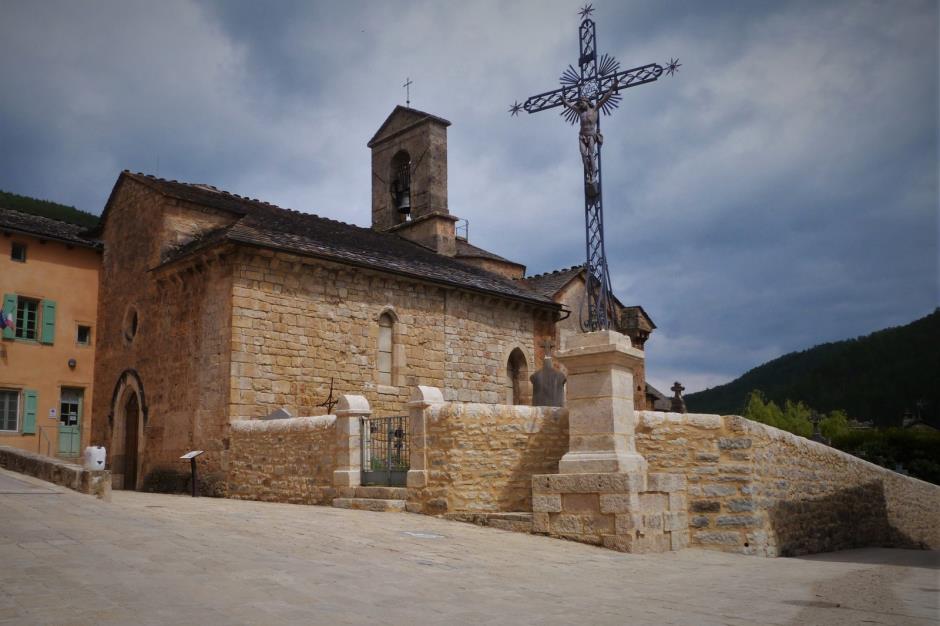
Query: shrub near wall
286	460
481	457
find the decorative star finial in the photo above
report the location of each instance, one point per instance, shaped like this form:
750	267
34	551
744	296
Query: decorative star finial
515	108
586	11
673	66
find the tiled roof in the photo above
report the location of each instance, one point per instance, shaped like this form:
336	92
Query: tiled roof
660	401
266	225
45	227
399	111
550	283
466	250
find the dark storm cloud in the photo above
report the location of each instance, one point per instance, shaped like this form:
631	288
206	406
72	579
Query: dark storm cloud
780	191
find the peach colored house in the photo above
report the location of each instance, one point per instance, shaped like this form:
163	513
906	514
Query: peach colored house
49	285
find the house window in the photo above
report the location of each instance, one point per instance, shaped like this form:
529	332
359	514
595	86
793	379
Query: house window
83	335
27	318
18	252
70	405
9	409
384	360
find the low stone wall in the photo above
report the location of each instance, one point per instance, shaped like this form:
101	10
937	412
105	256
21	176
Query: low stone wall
286	460
481	457
57	471
817	499
758	490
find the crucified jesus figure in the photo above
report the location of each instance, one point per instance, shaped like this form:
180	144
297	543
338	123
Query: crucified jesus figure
589	136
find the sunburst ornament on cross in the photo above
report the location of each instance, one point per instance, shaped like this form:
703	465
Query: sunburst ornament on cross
586	92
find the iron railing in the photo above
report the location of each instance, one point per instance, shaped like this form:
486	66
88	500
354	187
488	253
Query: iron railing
386	452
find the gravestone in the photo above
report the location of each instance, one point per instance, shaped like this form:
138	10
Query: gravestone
279	414
548	385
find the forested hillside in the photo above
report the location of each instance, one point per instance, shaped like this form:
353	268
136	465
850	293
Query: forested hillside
873	378
47	209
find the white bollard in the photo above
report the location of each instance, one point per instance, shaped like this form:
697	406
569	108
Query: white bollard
95	458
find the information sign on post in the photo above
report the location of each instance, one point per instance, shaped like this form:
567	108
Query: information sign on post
191	455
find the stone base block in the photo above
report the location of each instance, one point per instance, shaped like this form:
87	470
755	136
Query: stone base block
619	511
621	483
416	479
666	483
598	462
346	478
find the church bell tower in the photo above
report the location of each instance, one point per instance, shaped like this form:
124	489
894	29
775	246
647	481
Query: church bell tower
409	179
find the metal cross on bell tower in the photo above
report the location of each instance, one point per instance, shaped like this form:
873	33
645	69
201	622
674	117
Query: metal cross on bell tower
586	92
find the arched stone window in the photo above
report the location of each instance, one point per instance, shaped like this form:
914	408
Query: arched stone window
517	377
385	358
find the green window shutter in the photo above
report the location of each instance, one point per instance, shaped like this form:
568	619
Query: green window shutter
9	308
30	402
48	321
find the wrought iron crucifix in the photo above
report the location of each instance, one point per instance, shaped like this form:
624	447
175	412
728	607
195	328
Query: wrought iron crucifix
586	92
407	86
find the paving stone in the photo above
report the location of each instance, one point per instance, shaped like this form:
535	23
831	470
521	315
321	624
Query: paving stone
159	559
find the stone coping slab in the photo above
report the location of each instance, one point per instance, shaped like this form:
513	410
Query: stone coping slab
57	471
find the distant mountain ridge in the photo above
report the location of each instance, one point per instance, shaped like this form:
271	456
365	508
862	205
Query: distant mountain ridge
873	378
46	208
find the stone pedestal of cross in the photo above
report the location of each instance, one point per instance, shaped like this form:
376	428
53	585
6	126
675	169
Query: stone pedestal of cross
592	89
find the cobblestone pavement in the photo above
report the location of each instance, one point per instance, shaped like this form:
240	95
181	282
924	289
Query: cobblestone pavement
67	558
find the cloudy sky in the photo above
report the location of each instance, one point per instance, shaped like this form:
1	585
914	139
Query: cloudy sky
779	192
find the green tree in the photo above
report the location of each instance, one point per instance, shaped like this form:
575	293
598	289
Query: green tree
757	408
795	419
834	425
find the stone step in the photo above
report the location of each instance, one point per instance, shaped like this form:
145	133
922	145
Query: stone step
376	492
520	522
370	504
382	493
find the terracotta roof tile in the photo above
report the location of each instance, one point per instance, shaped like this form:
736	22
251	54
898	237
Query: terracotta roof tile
46	227
550	283
266	225
467	250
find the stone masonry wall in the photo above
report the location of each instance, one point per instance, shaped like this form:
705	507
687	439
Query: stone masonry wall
818	499
480	334
755	489
284	460
482	457
179	351
298	322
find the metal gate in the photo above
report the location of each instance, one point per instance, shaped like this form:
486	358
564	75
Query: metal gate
385	450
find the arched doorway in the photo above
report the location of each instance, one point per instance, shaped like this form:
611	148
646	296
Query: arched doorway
517	378
131	439
128	416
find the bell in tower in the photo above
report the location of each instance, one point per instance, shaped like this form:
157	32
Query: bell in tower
409	152
401	185
409	179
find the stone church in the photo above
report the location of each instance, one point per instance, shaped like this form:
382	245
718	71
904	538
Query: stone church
215	307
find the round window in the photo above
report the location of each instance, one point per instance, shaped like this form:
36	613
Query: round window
130	324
